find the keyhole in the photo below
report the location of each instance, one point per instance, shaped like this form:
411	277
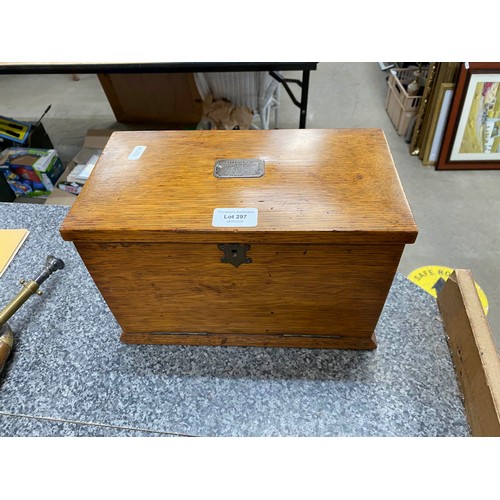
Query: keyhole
235	254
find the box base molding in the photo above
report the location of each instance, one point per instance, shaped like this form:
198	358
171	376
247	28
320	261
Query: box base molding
253	340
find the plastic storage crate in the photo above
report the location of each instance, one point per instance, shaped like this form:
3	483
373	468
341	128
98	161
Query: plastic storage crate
400	106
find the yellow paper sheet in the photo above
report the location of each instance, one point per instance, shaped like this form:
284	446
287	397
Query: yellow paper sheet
10	242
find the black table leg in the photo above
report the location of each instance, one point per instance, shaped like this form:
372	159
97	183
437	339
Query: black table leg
304	85
303	98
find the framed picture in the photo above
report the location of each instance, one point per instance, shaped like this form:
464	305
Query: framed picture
471	138
438	122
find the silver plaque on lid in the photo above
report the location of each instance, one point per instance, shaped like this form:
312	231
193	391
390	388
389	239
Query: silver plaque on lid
239	168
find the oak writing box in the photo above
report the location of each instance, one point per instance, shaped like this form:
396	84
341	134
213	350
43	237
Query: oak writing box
292	240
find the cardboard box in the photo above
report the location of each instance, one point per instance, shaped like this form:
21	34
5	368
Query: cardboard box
94	143
30	171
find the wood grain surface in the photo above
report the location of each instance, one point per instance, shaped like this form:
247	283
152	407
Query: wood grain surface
474	353
332	224
153	98
320	186
332	290
254	340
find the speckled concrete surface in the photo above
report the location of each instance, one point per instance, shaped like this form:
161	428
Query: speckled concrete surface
69	365
21	426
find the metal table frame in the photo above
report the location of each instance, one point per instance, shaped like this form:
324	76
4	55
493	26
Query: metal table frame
179	67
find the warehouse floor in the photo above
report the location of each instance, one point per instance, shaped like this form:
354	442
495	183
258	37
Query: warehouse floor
457	212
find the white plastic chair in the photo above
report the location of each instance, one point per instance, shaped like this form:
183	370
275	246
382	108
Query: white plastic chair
255	89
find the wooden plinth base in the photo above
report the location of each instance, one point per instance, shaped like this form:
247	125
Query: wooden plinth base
215	339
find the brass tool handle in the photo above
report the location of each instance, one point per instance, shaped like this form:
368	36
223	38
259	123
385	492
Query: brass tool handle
52	264
31	287
13	306
6	343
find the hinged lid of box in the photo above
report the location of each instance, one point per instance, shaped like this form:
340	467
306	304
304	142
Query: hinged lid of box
306	186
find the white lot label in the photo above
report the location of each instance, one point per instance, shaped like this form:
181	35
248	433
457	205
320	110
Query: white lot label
136	152
235	217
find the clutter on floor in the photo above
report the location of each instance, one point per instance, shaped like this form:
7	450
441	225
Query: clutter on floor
222	114
30	171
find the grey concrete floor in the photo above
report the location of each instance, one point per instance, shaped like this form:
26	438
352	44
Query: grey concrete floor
457	212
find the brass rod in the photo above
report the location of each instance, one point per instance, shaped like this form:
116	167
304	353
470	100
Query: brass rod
6	343
29	288
13	306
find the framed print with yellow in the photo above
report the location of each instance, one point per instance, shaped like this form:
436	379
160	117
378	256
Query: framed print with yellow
472	136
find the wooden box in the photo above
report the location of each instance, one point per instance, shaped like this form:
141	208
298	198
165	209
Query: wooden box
299	254
171	98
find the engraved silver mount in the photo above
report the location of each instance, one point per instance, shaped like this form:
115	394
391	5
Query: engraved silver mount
239	168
